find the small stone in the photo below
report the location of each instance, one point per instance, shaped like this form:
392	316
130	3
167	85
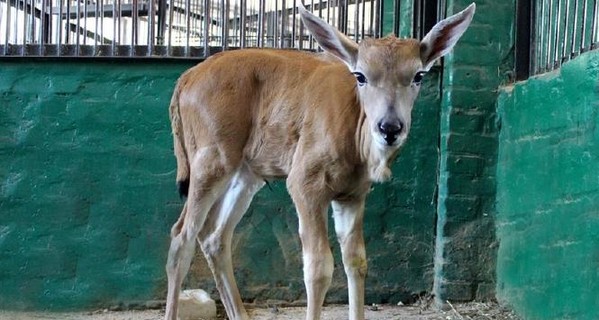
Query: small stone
400	304
196	305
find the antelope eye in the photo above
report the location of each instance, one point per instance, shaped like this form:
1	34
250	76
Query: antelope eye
360	78
418	77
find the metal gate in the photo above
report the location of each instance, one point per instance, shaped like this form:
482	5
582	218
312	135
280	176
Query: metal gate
187	28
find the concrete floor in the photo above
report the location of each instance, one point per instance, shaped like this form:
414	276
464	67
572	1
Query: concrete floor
467	311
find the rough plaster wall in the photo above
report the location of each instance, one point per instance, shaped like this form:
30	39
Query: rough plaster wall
87	196
86	183
480	62
548	193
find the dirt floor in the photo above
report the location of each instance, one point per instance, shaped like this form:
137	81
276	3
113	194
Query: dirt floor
466	311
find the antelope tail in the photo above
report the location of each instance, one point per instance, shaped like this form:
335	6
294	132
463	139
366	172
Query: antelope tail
179	143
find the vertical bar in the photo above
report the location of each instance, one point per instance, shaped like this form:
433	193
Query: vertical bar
162	8
134	24
363	30
97	30
235	24
207	24
114	33
329	11
59	33
564	48
260	22
32	28
243	7
573	51
188	24
42	28
595	25
16	27
102	17
301	34
320	8
523	36
583	29
335	15
49	22
24	40
341	16
275	30
85	22
310	38
222	23
226	26
78	29
416	19
357	21
171	13
6	39
293	24
284	20
540	39
150	35
549	39
396	16
345	16
557	34
371	27
442	10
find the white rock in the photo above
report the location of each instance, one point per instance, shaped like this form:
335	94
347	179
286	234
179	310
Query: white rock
196	305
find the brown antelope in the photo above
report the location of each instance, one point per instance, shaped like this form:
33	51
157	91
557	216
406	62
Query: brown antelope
331	124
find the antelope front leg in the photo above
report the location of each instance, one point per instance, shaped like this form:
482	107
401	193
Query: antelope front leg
348	226
316	252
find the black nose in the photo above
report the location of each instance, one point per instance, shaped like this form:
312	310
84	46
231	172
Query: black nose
390	128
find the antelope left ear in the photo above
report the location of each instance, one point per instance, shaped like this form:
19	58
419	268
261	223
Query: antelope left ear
444	35
329	38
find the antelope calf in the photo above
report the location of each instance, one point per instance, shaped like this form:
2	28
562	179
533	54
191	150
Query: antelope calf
331	124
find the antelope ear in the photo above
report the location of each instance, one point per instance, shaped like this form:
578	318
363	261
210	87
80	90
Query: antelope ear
329	38
444	35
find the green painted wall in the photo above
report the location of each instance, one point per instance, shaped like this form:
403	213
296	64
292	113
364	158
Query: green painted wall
86	182
87	196
481	61
548	193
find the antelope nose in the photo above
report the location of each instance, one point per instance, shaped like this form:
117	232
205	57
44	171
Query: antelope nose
390	129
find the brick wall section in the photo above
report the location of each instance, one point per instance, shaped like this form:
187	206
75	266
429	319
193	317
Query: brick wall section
466	245
548	193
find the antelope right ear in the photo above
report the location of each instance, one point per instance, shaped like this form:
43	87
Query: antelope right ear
329	38
444	35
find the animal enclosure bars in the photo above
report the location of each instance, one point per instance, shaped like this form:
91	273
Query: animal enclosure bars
178	28
550	32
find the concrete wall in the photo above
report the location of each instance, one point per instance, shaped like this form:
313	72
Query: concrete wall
87	196
548	193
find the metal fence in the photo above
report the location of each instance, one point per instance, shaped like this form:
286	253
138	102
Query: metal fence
173	28
550	32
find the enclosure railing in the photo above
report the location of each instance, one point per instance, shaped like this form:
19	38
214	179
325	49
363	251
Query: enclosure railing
178	28
550	32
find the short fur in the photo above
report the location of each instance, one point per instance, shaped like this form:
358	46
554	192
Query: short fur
245	117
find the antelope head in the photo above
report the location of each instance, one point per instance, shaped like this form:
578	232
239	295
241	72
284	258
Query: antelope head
388	73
